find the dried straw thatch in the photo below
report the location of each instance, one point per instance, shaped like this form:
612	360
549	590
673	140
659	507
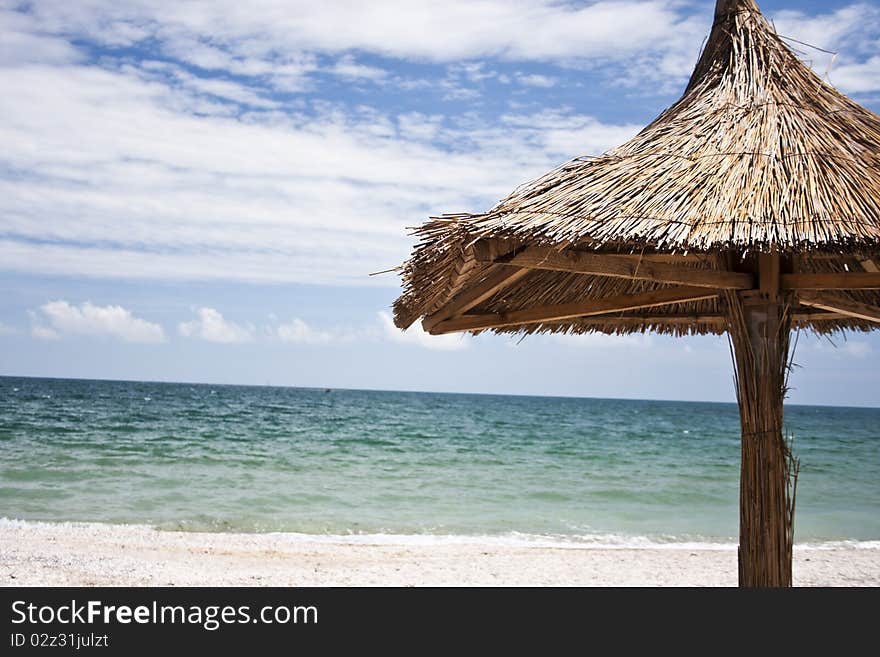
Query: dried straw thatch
759	155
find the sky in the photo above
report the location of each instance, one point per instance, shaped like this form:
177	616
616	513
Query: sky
198	191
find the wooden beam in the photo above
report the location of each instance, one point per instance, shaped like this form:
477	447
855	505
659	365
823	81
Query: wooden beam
565	311
635	320
497	279
826	256
675	258
601	264
488	249
837	304
817	317
839	281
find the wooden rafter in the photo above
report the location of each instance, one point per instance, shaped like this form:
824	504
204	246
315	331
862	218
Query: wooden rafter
839	281
564	311
698	318
818	317
497	279
491	248
838	304
635	320
601	264
869	265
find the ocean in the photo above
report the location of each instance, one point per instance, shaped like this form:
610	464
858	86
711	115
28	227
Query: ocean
371	465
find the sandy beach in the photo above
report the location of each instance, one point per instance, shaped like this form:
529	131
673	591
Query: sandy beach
46	554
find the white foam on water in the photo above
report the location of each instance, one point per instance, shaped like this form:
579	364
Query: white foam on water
839	545
16	523
511	539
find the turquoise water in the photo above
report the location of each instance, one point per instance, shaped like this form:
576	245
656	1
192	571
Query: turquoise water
265	459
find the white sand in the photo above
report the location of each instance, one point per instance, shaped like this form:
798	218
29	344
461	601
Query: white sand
45	554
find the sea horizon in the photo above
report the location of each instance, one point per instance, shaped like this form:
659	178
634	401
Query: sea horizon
427	392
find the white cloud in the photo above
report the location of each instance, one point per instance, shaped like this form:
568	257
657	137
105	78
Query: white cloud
857	77
215	33
828	31
58	318
415	336
282	40
22	42
212	326
44	333
347	67
323	200
535	80
851	32
419	127
830	345
857	349
225	90
565	134
298	331
473	71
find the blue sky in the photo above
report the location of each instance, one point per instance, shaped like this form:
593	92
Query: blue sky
198	191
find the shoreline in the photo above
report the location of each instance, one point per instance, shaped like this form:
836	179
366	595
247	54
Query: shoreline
94	554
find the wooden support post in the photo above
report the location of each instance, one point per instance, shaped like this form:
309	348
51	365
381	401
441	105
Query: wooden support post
759	323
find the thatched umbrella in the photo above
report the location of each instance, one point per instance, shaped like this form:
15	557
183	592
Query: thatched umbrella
751	207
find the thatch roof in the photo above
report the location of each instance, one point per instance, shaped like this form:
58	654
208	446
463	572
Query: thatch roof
758	155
